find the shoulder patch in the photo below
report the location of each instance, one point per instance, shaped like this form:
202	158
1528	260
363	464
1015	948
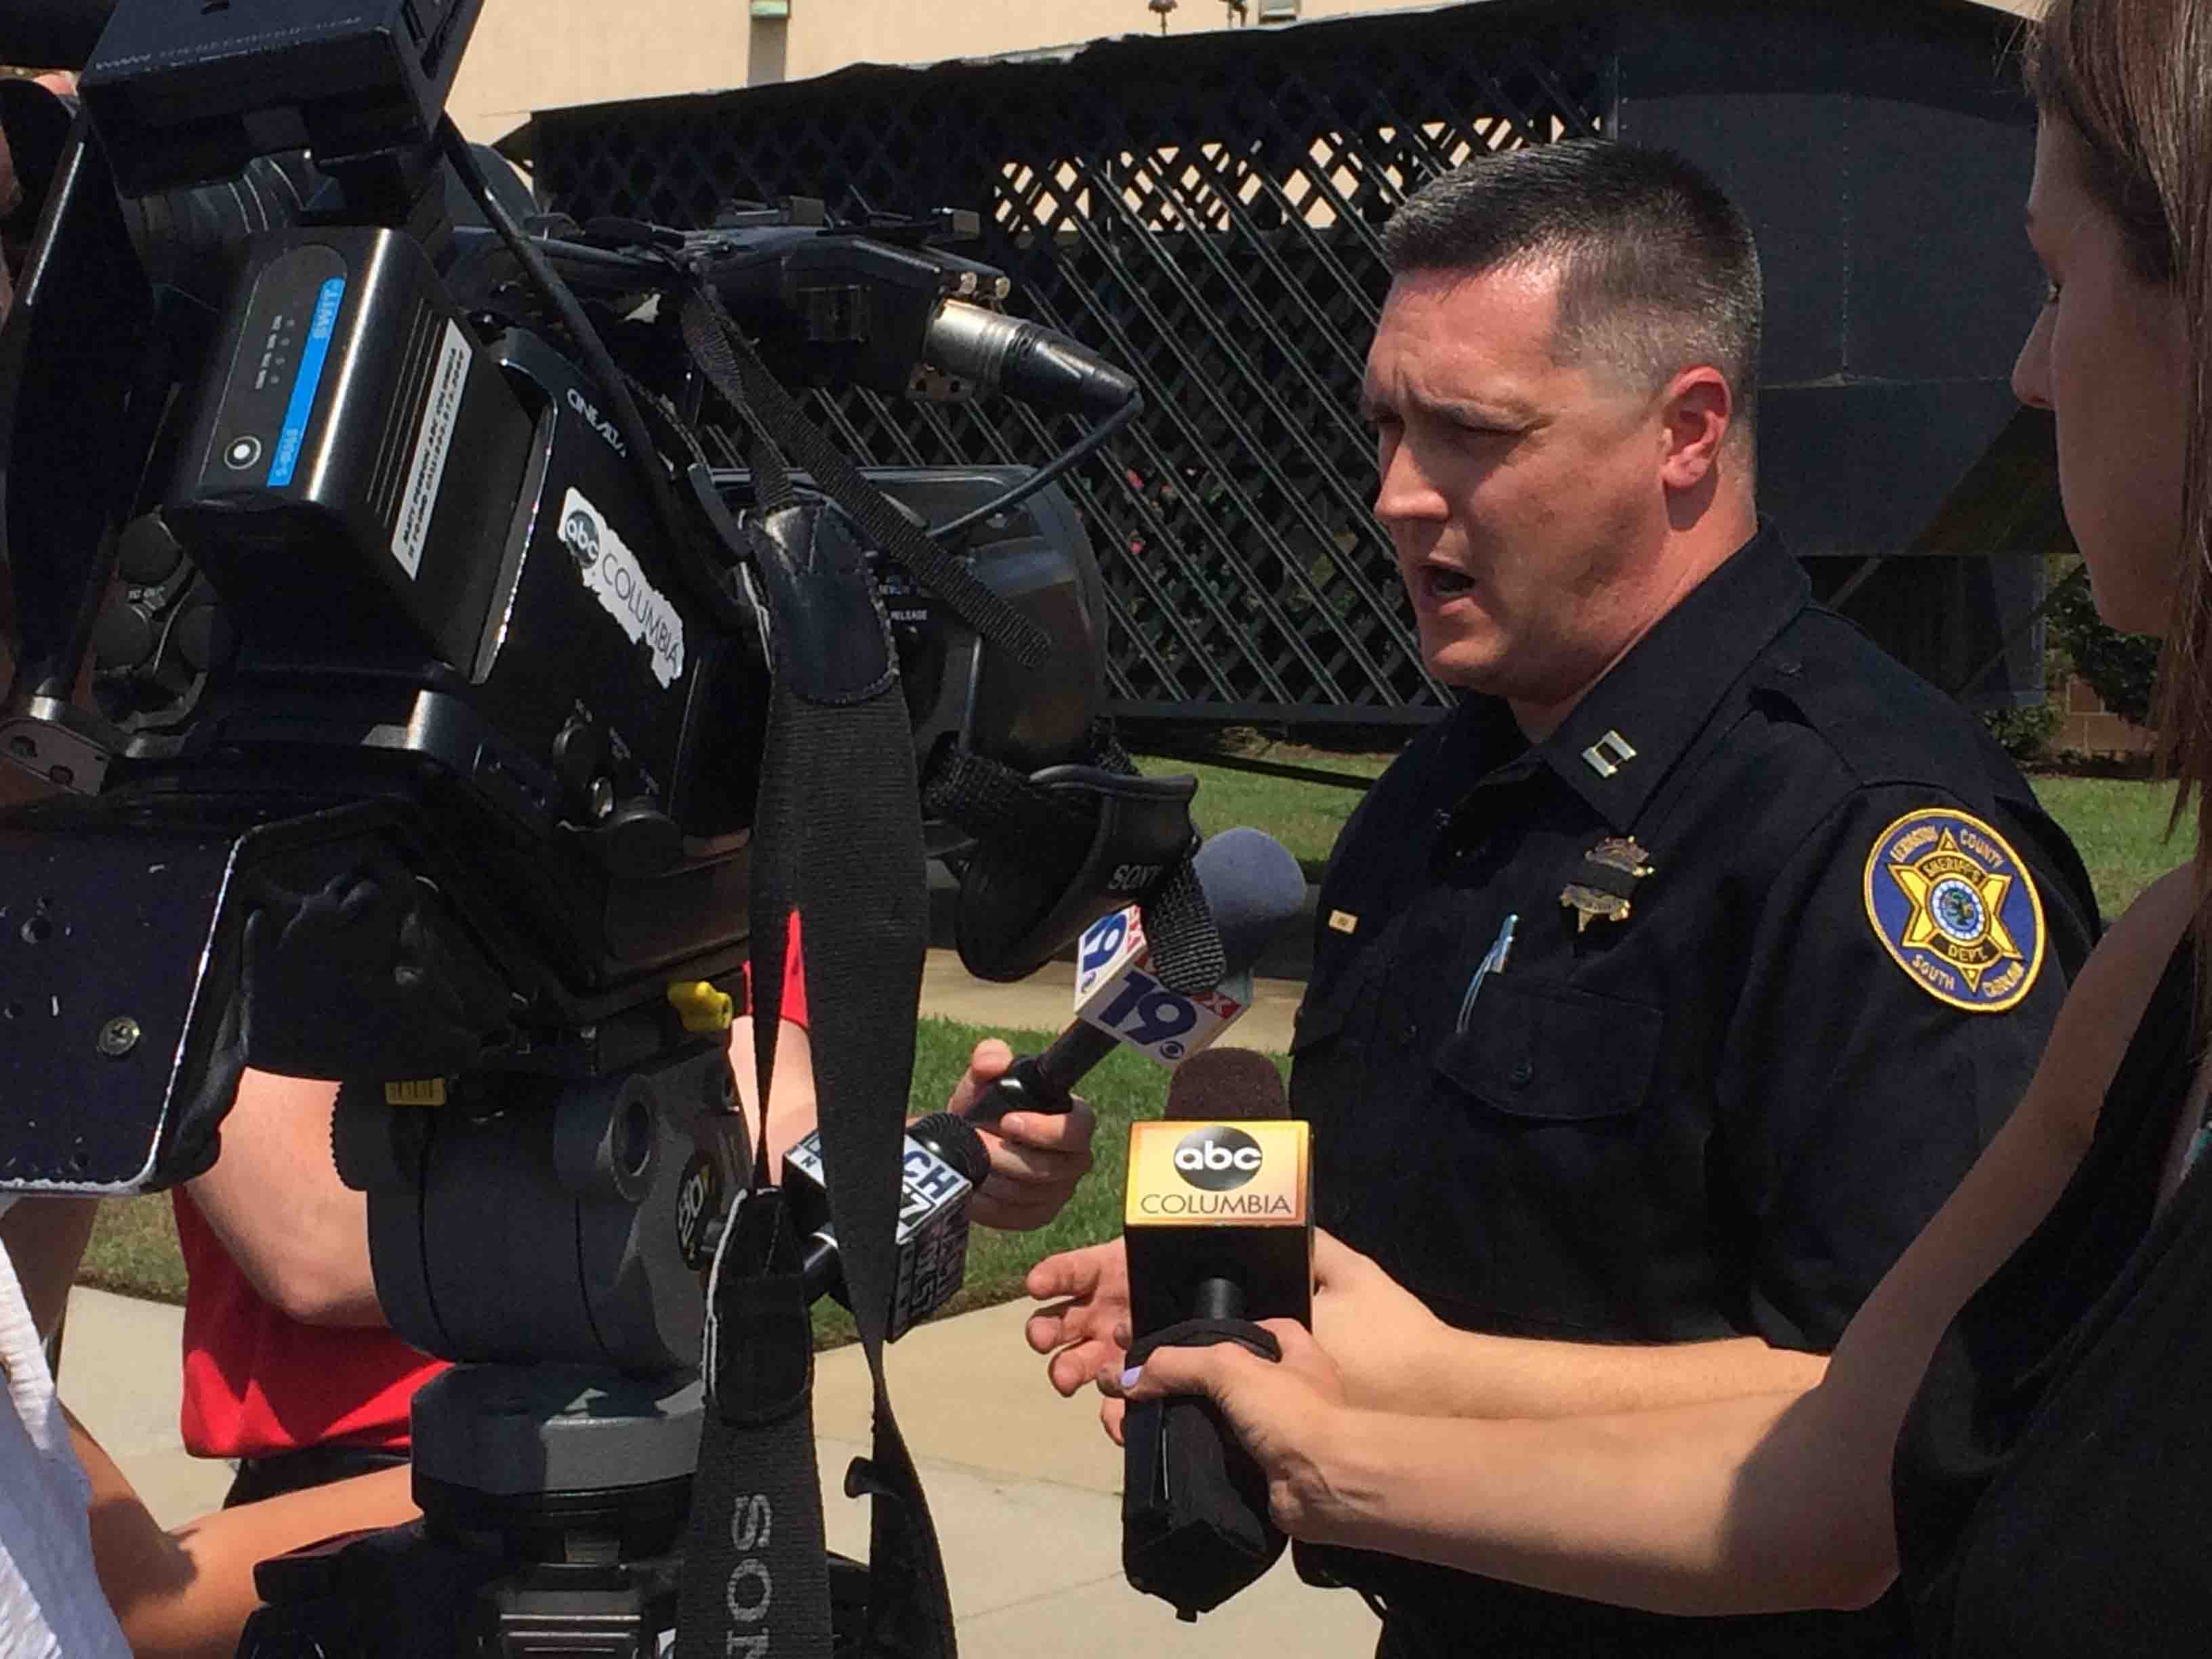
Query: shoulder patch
1956	908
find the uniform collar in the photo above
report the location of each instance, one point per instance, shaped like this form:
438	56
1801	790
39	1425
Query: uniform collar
1619	741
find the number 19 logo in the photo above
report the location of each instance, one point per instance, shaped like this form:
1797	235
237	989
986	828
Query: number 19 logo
1108	941
1102	939
1149	1016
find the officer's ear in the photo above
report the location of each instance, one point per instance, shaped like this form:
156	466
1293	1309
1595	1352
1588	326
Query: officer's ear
1697	411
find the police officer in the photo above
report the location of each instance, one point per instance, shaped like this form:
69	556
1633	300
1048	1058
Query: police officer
1662	992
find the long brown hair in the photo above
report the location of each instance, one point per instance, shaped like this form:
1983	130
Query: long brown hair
2133	80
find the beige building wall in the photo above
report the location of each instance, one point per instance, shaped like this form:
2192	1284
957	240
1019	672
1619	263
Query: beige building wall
545	54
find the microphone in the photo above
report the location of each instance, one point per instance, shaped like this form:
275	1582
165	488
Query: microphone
1219	1236
1231	1083
945	1162
1216	1214
1253	887
1033	363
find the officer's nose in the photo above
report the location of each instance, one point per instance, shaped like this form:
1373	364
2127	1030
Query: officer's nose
1405	492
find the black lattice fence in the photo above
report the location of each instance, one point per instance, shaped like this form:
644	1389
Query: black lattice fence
1205	211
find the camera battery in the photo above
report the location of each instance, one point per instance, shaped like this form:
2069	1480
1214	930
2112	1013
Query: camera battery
356	457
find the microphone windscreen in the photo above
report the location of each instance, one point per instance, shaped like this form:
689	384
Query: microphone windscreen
957	1142
1226	1086
1253	886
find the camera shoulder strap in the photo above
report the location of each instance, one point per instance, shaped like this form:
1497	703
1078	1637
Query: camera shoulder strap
837	838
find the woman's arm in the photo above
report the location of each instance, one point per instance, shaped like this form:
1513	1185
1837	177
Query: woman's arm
1738	1506
1397	1356
45	1239
188	1592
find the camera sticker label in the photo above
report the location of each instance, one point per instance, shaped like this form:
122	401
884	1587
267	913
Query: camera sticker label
698	1206
441	412
307	382
610	571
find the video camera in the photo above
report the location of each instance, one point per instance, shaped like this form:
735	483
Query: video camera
405	662
426	705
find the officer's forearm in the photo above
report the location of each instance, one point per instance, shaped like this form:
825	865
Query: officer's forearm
1484	1376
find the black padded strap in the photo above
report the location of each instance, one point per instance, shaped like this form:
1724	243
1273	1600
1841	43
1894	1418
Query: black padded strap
1187	954
837	839
755	1574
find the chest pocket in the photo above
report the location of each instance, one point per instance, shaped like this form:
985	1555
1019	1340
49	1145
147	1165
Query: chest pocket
1549	1053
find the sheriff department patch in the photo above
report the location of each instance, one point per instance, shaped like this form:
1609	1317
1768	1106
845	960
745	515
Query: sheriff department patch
1955	909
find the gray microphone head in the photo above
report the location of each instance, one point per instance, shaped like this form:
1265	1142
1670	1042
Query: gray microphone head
1253	887
954	1140
1226	1086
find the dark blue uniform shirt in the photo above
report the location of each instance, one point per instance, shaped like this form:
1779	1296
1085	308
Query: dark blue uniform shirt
1847	928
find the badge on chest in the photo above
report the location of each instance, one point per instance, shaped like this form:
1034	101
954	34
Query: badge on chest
1604	884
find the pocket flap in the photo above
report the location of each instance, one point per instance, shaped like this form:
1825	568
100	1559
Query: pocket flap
1553	1053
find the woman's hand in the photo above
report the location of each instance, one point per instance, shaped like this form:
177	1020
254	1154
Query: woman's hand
1288	1412
1036	1157
1388	1348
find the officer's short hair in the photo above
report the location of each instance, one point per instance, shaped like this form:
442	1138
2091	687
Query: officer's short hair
1658	268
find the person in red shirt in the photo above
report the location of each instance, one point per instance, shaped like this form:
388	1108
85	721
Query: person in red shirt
289	1368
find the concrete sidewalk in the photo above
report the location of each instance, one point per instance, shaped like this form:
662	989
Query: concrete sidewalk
1024	1485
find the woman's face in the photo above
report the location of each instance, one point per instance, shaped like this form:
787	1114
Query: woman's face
2109	356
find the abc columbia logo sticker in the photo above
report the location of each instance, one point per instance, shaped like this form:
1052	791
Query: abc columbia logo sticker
1955	909
1217	1158
581	536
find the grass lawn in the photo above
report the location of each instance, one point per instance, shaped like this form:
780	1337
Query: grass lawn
1305	817
134	1250
2117	824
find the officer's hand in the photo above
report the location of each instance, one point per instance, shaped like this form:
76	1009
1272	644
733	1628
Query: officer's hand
1382	1338
1087	1330
1036	1157
1288	1412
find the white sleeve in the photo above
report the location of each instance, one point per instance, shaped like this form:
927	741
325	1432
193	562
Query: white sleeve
49	1601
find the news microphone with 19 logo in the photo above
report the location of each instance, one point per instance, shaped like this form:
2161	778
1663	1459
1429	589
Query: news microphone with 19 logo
1253	886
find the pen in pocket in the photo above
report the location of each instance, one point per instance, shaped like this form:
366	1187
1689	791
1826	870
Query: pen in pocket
1493	960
